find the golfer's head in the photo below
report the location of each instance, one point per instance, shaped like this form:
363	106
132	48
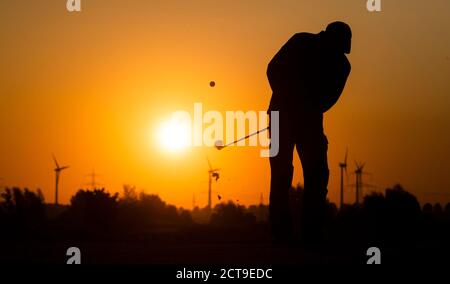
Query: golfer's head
340	36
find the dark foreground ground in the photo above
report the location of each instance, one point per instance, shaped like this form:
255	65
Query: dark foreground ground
209	245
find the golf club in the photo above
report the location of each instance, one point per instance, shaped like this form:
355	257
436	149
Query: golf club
219	144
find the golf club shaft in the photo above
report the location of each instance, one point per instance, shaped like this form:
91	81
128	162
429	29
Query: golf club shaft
246	137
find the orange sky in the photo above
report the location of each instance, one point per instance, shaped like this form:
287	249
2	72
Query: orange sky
92	87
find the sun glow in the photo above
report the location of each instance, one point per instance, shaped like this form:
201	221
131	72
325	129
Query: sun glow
174	135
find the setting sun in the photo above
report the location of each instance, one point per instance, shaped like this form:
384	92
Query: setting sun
174	135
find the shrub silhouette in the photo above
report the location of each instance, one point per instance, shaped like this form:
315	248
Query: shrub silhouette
447	212
394	217
375	215
147	210
231	215
93	210
21	210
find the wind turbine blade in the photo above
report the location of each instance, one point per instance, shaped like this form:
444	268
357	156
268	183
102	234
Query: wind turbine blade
63	168
56	162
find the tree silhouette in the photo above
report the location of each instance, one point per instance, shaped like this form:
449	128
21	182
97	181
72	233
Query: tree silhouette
393	217
129	194
143	211
230	214
21	210
93	210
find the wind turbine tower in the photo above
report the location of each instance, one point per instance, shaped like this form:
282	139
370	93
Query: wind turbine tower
359	184
58	170
343	166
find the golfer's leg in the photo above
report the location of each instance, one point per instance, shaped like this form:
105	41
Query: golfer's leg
281	179
313	155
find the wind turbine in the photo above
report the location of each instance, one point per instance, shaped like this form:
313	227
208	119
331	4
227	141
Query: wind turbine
359	172
343	166
58	171
212	173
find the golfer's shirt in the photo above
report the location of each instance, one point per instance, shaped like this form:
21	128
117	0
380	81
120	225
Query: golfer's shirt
306	77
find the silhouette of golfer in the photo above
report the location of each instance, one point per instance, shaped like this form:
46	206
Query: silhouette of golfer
307	77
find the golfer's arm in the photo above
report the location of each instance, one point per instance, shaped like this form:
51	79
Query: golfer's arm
331	91
330	96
